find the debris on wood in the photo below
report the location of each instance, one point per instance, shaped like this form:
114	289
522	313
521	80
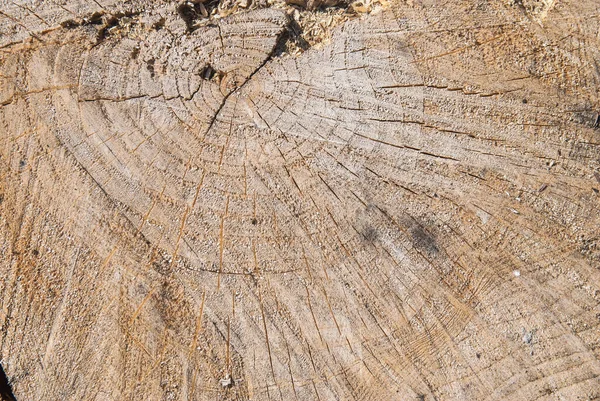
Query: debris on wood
226	382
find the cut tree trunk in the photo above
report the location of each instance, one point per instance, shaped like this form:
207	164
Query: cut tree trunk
402	206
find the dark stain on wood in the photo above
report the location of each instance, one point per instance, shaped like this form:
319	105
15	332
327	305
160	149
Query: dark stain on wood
423	240
150	67
370	234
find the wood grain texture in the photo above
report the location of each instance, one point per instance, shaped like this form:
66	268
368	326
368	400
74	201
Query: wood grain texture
407	211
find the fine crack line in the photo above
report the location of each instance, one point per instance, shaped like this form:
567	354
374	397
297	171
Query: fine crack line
276	46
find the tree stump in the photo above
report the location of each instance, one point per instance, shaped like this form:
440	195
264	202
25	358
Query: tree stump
211	201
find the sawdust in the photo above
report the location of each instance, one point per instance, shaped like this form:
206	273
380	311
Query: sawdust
311	21
317	20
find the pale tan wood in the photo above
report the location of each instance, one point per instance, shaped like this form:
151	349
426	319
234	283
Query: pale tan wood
193	208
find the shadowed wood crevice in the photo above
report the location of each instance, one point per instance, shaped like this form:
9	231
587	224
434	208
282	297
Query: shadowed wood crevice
6	392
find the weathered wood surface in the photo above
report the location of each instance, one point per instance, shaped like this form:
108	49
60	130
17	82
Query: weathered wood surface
406	211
